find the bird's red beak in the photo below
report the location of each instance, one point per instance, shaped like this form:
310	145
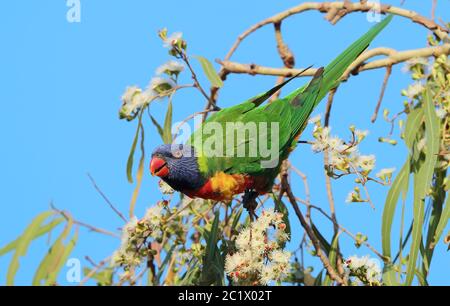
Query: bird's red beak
158	167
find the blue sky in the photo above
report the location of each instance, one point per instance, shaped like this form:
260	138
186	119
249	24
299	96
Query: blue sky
62	82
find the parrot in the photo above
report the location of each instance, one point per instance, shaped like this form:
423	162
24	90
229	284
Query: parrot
198	172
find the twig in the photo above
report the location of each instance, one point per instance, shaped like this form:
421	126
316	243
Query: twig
394	57
94	270
106	198
185	59
433	9
286	189
326	7
286	55
343	229
326	161
383	88
305	181
88	226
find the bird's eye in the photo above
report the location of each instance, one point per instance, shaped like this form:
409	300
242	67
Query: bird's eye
177	153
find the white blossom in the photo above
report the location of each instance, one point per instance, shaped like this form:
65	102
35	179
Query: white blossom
171	67
315	119
366	162
385	174
161	85
259	258
153	216
414	61
321	134
165	188
414	90
366	269
360	135
133	99
172	39
127	229
441	113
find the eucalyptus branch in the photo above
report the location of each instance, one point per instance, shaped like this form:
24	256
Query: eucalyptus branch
286	189
343	229
106	198
383	89
88	226
393	57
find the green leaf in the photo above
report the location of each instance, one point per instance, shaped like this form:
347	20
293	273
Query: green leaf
236	218
164	263
52	261
133	148
390	275
210	72
332	257
103	278
445	216
139	174
22	245
399	185
422	182
41	231
193	273
167	132
420	277
67	250
323	241
212	239
412	126
213	267
158	127
318	280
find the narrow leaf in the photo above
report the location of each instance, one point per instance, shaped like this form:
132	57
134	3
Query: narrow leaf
167	132
139	175
22	245
445	216
41	231
422	181
133	148
210	72
332	257
158	127
400	184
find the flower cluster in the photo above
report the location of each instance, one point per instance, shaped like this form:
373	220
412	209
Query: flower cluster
165	188
259	258
343	157
135	98
173	42
385	175
364	270
135	244
432	73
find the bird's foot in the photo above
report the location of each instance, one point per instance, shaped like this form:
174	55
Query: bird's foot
249	202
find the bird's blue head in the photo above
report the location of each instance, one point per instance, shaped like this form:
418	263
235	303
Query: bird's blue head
177	165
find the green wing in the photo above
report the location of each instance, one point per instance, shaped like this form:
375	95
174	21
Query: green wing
290	114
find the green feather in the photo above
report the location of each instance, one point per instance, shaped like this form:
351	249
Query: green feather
290	113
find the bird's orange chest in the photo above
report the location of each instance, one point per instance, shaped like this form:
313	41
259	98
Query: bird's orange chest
222	187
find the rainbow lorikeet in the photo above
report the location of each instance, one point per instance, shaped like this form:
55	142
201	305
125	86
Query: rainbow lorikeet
208	166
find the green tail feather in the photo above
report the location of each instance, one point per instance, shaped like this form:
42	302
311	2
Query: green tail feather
336	68
310	95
